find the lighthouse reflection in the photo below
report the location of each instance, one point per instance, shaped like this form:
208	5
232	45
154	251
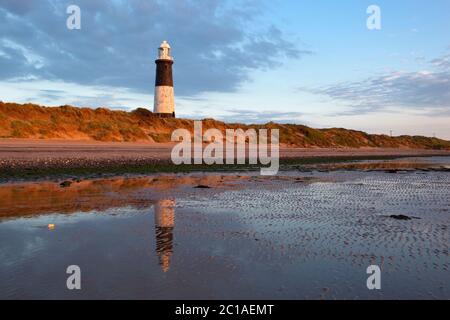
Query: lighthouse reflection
164	224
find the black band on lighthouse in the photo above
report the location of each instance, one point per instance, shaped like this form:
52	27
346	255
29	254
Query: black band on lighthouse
163	73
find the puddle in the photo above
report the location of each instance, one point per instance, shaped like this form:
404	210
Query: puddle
246	237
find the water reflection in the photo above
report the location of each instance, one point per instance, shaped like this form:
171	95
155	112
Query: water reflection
319	242
40	198
164	224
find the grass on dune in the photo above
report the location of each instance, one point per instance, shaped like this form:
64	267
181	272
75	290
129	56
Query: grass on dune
101	124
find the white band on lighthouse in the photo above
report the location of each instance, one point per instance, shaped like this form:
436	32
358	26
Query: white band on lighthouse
163	102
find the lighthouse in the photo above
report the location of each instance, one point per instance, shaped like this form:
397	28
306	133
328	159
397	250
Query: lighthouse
164	104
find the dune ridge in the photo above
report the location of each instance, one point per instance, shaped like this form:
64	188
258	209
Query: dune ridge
141	125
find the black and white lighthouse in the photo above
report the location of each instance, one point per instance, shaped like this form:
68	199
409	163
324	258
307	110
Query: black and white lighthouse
164	104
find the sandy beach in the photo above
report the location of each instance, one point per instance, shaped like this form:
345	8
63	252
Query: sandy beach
307	233
34	149
16	154
298	235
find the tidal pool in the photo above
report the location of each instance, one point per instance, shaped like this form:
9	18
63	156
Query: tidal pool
229	236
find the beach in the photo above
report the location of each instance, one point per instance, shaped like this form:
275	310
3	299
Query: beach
307	233
26	159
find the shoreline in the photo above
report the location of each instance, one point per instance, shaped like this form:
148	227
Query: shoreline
27	159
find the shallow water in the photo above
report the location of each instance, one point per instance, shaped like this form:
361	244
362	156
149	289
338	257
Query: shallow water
295	236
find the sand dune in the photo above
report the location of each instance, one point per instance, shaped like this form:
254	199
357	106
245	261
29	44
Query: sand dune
141	125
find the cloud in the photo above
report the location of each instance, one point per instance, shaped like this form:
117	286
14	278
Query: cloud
215	43
427	91
443	62
231	115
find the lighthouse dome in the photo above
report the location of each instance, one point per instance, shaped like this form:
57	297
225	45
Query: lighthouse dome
164	44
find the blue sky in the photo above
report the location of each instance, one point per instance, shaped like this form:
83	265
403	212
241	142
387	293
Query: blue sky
309	62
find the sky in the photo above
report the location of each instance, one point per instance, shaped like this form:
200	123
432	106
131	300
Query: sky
307	62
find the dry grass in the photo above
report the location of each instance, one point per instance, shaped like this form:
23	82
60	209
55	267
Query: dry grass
67	122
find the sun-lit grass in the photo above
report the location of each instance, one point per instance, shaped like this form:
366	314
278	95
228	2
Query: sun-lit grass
67	122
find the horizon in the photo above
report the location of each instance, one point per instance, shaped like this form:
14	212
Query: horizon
239	61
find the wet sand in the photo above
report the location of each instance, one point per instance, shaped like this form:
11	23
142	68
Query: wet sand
17	153
300	235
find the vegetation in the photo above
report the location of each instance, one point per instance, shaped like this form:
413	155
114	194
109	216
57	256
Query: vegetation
67	122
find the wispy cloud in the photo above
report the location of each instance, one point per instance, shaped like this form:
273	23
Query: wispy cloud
235	115
427	91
